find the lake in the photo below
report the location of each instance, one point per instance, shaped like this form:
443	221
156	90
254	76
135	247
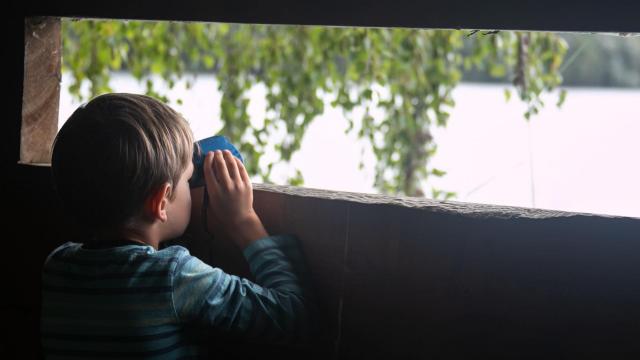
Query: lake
583	157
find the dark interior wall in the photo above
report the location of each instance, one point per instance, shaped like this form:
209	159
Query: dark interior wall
509	287
415	278
404	278
429	285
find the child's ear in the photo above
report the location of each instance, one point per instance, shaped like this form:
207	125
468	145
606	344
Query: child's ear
156	205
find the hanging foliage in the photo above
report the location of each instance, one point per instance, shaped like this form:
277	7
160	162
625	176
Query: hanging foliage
408	74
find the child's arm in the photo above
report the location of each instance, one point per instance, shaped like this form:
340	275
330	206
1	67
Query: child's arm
278	307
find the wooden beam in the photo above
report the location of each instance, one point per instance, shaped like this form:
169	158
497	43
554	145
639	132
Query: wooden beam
539	15
41	91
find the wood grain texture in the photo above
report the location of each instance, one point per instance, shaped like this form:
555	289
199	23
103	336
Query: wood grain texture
436	206
41	91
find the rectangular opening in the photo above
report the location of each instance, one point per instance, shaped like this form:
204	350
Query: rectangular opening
434	113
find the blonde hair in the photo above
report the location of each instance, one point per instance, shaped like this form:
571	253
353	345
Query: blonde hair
113	153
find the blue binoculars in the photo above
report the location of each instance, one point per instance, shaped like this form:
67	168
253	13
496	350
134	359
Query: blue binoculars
200	150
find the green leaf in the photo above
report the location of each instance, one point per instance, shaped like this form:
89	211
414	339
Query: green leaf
561	97
497	71
507	95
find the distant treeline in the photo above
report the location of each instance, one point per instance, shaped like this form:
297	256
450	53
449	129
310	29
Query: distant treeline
596	60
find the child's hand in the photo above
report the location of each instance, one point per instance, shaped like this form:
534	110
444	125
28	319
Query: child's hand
231	198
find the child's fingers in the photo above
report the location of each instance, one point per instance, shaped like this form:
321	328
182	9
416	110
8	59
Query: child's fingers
209	176
221	169
231	165
243	172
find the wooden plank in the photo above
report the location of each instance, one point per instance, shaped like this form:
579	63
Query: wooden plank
402	277
41	90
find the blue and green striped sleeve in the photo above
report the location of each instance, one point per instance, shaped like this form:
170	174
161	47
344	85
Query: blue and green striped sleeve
278	307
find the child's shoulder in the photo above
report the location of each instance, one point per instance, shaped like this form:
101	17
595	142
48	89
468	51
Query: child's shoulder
62	249
73	250
134	258
174	251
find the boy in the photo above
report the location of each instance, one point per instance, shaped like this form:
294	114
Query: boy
121	166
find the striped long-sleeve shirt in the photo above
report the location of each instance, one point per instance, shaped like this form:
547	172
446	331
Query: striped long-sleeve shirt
133	301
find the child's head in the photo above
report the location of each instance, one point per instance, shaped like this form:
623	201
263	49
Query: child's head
117	156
